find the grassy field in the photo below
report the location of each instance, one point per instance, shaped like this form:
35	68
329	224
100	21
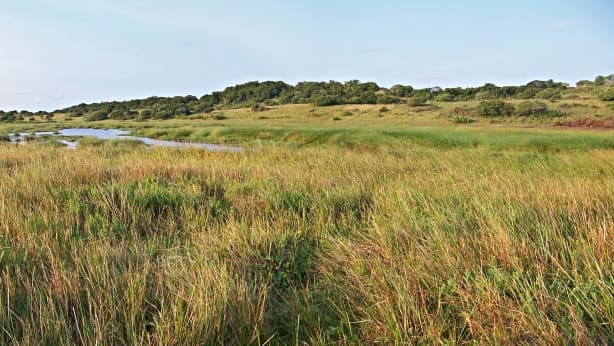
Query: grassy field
339	225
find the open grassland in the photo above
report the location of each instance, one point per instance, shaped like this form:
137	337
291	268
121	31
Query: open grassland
317	234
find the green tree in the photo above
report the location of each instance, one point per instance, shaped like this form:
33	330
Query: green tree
401	90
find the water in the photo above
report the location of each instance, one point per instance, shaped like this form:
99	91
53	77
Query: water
113	134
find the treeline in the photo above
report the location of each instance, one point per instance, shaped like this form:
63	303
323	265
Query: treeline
24	115
260	94
316	93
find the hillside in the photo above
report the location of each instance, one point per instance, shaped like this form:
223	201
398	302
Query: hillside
259	96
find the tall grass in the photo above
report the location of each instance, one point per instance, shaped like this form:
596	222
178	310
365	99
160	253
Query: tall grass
416	244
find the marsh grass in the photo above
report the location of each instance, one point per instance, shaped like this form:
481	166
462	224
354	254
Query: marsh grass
449	237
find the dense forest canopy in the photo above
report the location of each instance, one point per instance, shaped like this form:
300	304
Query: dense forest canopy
258	94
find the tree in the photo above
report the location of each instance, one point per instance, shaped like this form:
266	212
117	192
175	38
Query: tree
326	101
401	90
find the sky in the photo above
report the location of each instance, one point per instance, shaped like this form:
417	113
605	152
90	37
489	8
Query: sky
56	53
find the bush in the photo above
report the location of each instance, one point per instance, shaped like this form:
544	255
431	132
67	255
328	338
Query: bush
258	107
117	115
384	110
484	95
531	107
527	93
607	95
419	100
220	116
98	115
207	109
444	97
146	114
494	108
549	94
387	99
459	119
463	111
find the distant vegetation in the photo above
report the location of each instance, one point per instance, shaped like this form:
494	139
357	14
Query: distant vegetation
259	95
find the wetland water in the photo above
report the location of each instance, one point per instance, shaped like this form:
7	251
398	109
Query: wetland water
115	134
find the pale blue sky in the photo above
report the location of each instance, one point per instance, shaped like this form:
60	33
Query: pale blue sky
55	53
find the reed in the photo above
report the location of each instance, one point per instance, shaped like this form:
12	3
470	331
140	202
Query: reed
424	242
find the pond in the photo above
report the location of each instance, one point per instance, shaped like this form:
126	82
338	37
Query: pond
115	134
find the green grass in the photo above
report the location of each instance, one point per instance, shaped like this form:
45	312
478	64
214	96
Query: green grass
401	229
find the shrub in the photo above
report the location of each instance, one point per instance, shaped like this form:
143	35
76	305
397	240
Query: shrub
98	115
220	116
117	115
258	107
419	100
484	95
527	93
384	110
463	111
444	97
607	94
387	99
494	108
146	114
549	94
531	107
208	109
459	119
336	118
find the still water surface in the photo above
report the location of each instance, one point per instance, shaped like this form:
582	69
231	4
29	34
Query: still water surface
113	134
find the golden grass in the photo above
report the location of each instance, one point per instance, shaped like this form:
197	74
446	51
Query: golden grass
316	245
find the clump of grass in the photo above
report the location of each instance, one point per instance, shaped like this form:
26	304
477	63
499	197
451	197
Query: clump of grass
460	119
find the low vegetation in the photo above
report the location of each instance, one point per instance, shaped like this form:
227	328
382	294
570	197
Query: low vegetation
444	238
